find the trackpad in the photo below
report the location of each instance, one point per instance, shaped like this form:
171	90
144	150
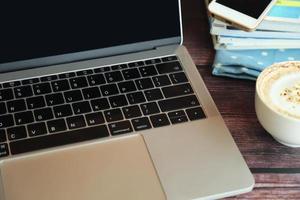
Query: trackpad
118	169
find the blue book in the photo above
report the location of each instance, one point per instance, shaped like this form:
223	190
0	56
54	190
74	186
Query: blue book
285	11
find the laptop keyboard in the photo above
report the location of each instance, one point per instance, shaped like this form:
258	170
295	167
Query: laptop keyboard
78	106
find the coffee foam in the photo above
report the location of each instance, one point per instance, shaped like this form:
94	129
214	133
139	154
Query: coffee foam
279	88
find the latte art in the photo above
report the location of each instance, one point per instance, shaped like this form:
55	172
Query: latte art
292	94
280	89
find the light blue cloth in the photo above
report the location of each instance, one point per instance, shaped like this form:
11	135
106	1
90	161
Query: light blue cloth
247	64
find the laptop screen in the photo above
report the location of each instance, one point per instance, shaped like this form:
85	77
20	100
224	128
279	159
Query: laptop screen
31	30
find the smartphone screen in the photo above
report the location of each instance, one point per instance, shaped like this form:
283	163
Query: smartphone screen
252	8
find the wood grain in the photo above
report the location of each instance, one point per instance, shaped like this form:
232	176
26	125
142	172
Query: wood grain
195	31
276	168
272	194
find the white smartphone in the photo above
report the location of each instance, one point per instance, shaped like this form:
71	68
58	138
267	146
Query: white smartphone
244	14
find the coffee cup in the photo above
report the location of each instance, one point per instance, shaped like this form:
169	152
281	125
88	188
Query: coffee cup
277	102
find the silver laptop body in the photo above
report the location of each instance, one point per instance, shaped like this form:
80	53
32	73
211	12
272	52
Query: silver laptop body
197	159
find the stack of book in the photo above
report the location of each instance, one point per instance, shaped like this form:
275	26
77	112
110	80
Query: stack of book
279	30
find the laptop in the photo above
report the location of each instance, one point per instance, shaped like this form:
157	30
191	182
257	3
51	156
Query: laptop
100	100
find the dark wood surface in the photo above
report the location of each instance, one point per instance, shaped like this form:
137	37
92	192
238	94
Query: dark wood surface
276	168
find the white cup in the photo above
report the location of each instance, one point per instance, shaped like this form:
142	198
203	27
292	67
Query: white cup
277	102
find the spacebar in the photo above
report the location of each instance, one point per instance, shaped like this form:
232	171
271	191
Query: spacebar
68	137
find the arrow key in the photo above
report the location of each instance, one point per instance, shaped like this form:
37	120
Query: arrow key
159	120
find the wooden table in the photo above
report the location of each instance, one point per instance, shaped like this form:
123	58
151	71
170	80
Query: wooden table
276	168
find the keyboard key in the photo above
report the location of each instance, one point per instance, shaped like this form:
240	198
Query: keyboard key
78	82
178	103
76	122
6	94
67	75
177	90
94	118
110	89
84	72
2	135
160	81
131	73
54	140
2	108
43	114
11	84
35	102
96	79
102	69
143	84
100	104
136	64
141	124
91	93
127	86
195	113
150	108
118	101
81	107
56	125
124	66
4	150
159	120
177	117
24	117
113	77
153	61
48	78
178	78
168	67
73	96
23	91
148	71
170	58
61	85
131	112
136	97
30	81
120	128
16	105
55	99
16	133
154	94
37	129
62	111
118	67
113	115
41	88
6	121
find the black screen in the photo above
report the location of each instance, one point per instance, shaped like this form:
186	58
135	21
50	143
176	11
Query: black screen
253	8
34	29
